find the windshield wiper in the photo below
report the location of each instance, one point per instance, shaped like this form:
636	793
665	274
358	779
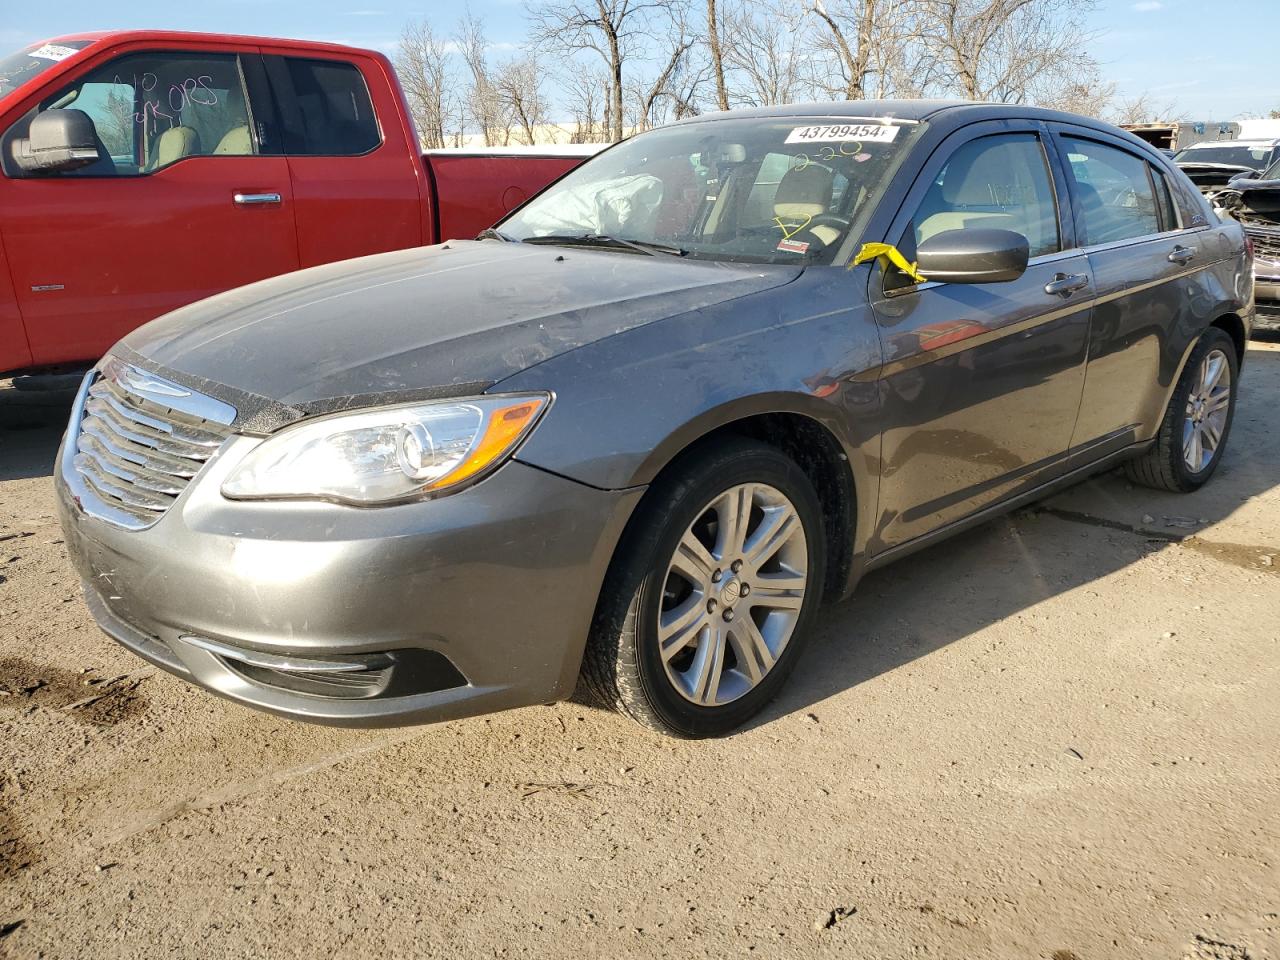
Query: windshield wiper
488	233
646	247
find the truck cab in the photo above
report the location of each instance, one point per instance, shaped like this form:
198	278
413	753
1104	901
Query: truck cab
141	171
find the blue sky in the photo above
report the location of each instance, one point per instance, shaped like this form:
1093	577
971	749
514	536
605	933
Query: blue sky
1174	50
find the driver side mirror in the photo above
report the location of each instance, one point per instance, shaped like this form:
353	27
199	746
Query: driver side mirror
977	255
57	141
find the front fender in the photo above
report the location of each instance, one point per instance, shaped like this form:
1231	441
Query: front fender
627	405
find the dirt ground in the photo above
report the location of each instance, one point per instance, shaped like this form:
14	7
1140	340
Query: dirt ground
1053	737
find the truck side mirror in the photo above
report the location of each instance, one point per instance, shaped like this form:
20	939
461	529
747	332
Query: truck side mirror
57	140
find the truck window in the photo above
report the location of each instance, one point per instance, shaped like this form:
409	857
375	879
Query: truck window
327	108
151	110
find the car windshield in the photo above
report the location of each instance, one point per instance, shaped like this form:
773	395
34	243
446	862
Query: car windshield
777	190
1236	155
17	68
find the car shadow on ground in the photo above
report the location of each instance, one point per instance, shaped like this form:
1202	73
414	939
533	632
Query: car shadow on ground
1003	569
33	417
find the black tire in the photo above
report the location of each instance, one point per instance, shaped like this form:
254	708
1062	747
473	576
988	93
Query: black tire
623	667
1163	466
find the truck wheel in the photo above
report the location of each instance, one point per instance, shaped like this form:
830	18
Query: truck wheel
1194	431
707	604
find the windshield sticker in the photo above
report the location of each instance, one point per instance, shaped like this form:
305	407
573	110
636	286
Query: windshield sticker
51	51
840	132
847	148
793	246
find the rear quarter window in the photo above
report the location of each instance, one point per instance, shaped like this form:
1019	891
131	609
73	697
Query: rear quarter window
327	109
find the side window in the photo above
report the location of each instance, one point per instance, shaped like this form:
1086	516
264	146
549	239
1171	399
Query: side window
1117	199
331	113
150	110
1000	182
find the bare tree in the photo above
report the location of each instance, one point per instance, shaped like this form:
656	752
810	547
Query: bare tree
765	50
1009	51
422	63
615	30
483	103
587	92
854	18
673	92
1142	109
717	55
518	88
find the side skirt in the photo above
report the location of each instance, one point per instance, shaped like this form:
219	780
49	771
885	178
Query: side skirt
996	509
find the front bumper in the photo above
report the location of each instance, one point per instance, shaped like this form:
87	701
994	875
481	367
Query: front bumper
481	600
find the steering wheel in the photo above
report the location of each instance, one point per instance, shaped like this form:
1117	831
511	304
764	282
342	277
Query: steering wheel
838	223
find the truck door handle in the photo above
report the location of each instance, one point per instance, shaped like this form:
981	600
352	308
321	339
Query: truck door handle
248	199
1181	255
1065	284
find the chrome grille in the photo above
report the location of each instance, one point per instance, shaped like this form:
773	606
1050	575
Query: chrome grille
136	442
1266	243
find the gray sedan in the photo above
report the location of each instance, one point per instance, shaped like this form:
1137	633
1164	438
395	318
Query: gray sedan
638	432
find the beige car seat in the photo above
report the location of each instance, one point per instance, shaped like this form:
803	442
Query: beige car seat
236	142
804	194
172	145
969	196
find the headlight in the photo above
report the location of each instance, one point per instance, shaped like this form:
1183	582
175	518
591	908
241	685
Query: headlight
387	455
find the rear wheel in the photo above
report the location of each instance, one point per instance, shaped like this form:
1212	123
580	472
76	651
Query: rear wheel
1194	431
707	603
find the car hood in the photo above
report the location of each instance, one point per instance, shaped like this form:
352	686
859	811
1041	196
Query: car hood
1207	176
439	321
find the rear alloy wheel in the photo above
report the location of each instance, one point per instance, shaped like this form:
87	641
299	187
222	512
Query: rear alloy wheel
706	605
1193	434
1208	404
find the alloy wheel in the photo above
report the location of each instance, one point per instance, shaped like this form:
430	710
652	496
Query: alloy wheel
732	594
1207	407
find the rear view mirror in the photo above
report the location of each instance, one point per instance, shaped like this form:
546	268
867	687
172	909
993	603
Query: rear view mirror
973	256
57	140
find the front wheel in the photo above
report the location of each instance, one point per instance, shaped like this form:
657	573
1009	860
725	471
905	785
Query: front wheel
1193	434
706	605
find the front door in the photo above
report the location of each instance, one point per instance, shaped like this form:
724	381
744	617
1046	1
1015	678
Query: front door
180	204
982	382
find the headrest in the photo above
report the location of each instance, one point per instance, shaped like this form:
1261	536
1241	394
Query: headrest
804	193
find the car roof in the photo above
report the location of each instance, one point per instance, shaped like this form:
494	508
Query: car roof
162	36
955	111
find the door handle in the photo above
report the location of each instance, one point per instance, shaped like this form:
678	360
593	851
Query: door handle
1182	255
1065	284
249	199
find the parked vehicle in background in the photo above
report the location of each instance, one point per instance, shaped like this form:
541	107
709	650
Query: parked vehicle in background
647	424
1255	202
1212	165
1177	135
146	170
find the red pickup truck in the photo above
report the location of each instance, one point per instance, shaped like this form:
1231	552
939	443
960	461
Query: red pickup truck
142	171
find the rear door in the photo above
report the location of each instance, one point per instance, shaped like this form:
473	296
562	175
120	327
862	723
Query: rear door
1147	265
357	180
982	382
181	204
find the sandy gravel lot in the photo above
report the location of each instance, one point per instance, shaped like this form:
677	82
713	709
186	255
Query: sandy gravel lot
1053	737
